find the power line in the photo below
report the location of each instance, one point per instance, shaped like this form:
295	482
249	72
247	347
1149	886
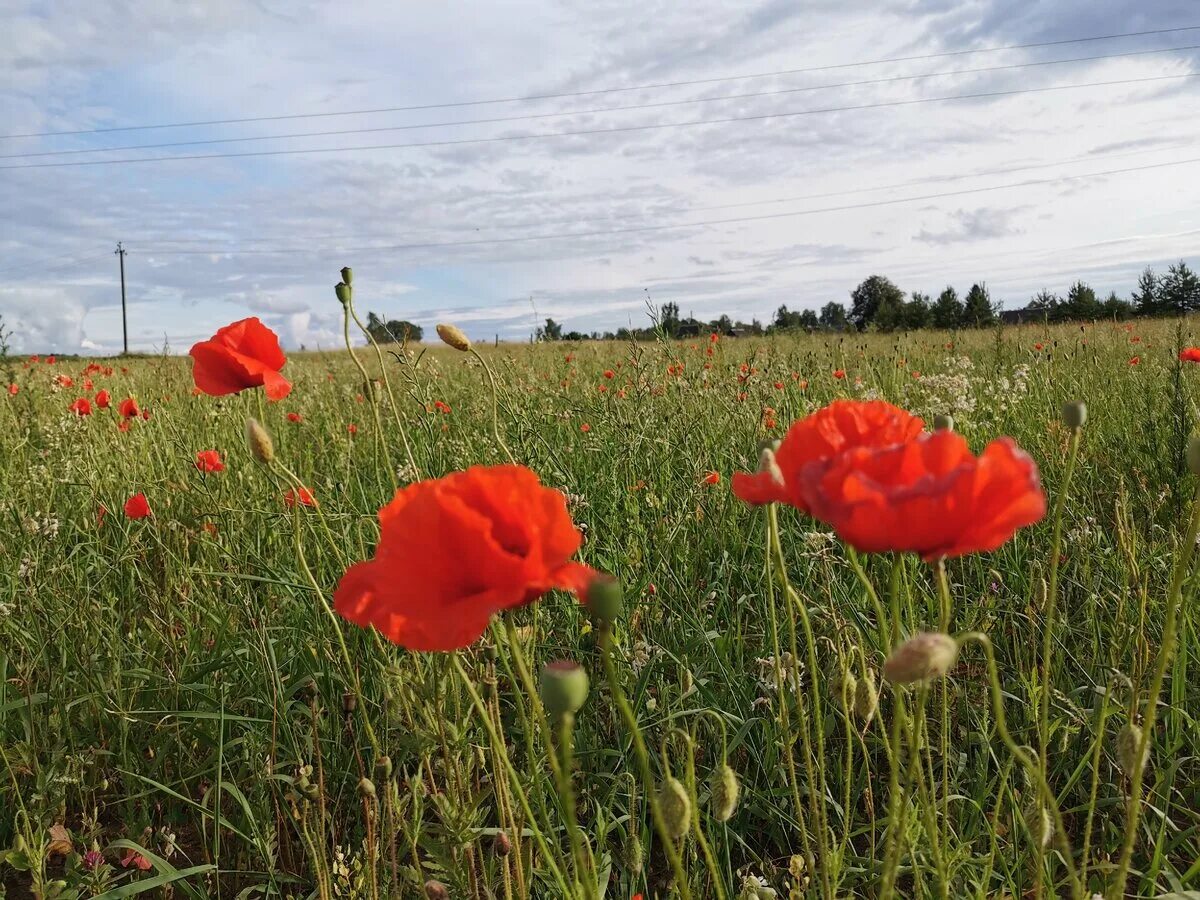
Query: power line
38	267
597	111
1009	170
596	131
675	225
559	96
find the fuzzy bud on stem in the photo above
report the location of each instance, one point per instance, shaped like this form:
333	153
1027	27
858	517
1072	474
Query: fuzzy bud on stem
563	687
676	807
768	465
1074	414
725	792
604	598
923	657
452	335
1128	740
258	440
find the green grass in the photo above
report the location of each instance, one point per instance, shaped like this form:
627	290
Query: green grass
180	675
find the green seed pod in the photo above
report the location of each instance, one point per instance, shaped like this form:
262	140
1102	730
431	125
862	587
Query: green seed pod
866	697
725	791
676	807
604	598
383	768
1128	739
1074	414
259	442
1193	454
943	423
366	788
563	687
342	290
347	275
922	657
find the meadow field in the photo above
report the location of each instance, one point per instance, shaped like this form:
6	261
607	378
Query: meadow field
184	713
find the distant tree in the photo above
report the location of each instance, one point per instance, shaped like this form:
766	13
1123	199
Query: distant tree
1117	309
947	310
551	331
809	320
978	309
574	336
918	312
1179	290
1146	299
1044	305
393	331
668	318
833	317
723	325
1082	304
869	296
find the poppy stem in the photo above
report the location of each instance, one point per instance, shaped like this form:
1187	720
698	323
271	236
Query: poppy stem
643	760
710	861
1183	564
514	781
495	405
1032	768
369	387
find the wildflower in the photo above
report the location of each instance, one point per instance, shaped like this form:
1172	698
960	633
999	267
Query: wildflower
712	477
610	374
352	429
839	373
839	427
1038	346
1134	360
922	657
301	495
209	461
779	385
103	399
128	408
242	355
456	550
585	427
295	418
93	860
136	507
713	338
929	496
64	381
133	858
1188	354
452	335
12	390
82	407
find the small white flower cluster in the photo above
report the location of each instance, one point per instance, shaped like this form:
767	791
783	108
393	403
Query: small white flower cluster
43	526
771	672
641	655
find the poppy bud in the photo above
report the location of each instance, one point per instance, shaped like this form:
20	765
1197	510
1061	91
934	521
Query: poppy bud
1041	826
343	292
943	422
1074	414
634	857
922	657
347	275
1128	739
564	687
604	598
767	465
501	845
262	448
843	687
366	788
383	768
1193	454
676	807
866	698
725	791
435	890
452	335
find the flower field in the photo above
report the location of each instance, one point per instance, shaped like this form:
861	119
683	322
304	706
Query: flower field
803	616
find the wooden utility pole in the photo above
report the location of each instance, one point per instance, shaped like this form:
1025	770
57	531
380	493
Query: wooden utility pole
120	251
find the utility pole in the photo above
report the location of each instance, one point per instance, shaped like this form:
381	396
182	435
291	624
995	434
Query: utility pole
120	251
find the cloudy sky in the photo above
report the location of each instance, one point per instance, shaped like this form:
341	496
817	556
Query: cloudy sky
825	162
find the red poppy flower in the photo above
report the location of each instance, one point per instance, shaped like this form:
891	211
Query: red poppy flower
128	408
243	355
456	550
82	407
87	384
209	461
585	427
1038	346
1188	354
610	374
64	381
295	417
103	399
133	858
929	495
101	512
304	496
51	360
839	373
713	338
136	507
12	390
1134	360
712	477
841	426
352	428
779	385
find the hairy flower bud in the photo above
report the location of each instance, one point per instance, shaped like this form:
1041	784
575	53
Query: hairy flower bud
1037	819
725	791
383	768
452	335
501	844
866	697
768	465
604	598
1128	740
262	448
922	657
563	687
676	807
1074	414
366	788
